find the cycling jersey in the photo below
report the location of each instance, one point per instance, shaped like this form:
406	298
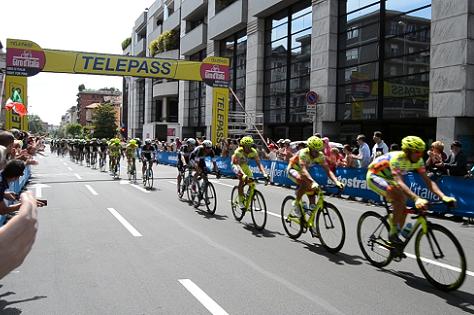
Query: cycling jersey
395	163
199	153
147	150
243	157
103	147
305	155
95	147
130	150
184	151
115	149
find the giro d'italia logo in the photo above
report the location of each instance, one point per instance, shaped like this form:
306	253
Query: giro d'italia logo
215	75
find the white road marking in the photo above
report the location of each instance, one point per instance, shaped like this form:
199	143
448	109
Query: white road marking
171	182
219	183
78	176
91	190
446	266
124	222
202	297
140	188
69	168
124	182
274	214
38	189
65	164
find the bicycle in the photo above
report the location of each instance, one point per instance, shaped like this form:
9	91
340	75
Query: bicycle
375	244
185	183
94	160
324	222
148	175
204	191
115	167
131	171
102	161
253	202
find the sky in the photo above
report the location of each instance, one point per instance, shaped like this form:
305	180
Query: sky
87	25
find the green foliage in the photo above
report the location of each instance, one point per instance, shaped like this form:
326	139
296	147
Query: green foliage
166	41
74	129
35	124
126	42
104	121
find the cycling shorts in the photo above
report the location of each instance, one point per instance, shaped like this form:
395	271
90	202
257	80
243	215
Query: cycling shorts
379	184
295	177
245	169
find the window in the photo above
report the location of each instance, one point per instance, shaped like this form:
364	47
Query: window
353	32
197	97
287	64
352	54
141	101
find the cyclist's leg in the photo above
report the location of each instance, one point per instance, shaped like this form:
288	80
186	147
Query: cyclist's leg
144	167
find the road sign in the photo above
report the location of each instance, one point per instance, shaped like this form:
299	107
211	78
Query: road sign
312	98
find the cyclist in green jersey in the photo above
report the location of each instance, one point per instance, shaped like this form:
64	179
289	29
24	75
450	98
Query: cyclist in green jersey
240	165
385	177
130	153
298	171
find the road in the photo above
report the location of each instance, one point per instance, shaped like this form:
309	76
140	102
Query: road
109	247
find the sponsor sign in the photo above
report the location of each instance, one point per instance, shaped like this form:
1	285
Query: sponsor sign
12	119
24	58
220	114
215	71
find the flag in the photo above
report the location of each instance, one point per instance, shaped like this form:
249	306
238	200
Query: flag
16	103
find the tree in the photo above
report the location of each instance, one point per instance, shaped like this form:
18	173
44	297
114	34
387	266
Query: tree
74	129
35	124
104	121
81	87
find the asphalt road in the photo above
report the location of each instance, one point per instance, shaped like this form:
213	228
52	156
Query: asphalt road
109	247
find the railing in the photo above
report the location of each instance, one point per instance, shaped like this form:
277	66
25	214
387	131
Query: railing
241	122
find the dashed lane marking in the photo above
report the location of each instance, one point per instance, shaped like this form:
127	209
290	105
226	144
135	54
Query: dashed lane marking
124	222
202	297
89	187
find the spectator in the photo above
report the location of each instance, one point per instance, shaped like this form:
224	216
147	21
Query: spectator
364	152
436	156
272	155
380	148
287	153
18	235
348	160
178	144
317	134
13	170
334	159
394	147
456	163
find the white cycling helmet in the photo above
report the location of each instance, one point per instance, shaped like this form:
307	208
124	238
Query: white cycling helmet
191	141
207	144
148	141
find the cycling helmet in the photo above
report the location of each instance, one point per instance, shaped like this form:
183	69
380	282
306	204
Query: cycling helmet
191	141
315	143
207	144
246	141
132	142
147	141
104	140
413	143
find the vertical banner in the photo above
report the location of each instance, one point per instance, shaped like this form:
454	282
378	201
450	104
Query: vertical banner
220	113
12	119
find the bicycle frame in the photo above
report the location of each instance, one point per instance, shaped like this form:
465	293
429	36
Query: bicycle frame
248	199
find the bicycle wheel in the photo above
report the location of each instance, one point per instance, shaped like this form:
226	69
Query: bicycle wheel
330	228
210	198
149	179
444	268
182	187
372	235
259	210
234	203
291	221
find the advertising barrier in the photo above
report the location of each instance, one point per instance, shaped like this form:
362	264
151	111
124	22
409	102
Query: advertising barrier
354	181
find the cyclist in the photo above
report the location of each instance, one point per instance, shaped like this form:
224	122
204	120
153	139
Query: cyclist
298	172
115	151
94	150
103	149
183	158
240	165
197	156
130	152
385	177
147	154
87	151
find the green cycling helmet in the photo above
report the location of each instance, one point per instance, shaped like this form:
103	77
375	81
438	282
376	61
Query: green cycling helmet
413	143
246	141
315	143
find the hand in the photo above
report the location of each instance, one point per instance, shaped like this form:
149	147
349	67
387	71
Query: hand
421	203
340	185
450	200
10	196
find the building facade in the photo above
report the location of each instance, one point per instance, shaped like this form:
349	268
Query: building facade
88	97
402	67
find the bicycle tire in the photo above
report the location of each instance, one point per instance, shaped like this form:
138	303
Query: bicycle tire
330	224
210	198
149	179
291	223
373	238
234	203
431	261
181	188
259	210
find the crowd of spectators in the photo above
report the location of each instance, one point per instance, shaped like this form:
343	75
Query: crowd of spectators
18	214
359	155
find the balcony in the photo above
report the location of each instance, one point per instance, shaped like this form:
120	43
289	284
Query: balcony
165	89
139	48
140	23
193	8
172	22
228	21
241	123
195	40
153	35
170	54
157	4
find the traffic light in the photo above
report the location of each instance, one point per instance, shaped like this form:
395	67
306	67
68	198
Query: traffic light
123	132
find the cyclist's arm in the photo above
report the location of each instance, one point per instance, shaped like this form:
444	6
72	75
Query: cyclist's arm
260	166
399	180
304	170
329	172
432	185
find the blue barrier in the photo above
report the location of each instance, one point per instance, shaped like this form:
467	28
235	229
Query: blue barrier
354	180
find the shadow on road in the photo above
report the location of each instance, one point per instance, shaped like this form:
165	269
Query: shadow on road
5	305
263	233
460	299
209	216
337	258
